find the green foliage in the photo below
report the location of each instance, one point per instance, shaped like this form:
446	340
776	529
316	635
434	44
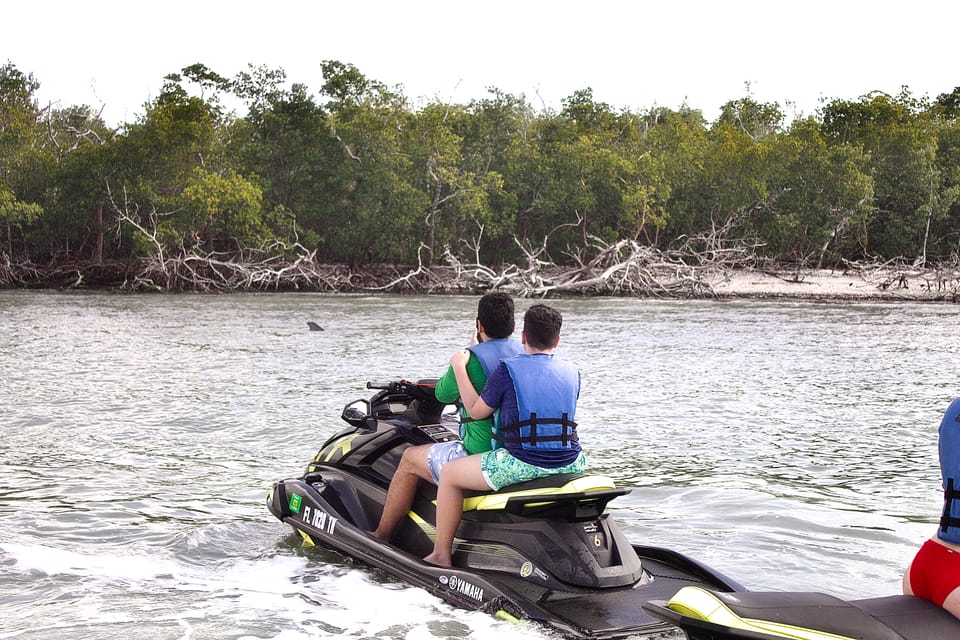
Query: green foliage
15	215
357	174
377	207
677	142
819	200
21	160
899	136
495	145
18	113
757	120
286	143
220	212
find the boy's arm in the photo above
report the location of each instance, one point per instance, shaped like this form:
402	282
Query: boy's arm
475	407
447	391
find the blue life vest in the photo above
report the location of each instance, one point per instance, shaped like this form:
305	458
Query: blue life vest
950	471
491	352
547	388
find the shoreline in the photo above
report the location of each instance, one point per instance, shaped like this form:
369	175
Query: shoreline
895	285
874	283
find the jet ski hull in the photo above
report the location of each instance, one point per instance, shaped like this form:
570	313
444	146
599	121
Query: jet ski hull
527	593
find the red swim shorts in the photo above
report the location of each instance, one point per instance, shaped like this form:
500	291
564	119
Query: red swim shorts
935	572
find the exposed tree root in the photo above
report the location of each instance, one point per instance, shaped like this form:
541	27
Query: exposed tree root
624	268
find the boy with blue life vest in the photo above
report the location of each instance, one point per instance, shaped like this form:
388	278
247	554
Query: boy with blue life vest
934	573
490	342
536	396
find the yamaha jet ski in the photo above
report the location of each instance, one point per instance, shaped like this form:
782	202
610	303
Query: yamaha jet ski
707	615
544	550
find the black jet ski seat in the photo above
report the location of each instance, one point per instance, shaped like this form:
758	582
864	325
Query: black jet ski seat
572	496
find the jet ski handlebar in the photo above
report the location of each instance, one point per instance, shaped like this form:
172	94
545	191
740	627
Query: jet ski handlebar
419	390
395	397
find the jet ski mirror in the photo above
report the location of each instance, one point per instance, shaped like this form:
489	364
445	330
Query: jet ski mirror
357	413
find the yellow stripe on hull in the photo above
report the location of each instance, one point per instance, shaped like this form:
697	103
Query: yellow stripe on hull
700	604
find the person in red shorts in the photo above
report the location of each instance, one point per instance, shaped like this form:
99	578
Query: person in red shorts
934	573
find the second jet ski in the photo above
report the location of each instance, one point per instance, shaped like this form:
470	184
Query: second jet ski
757	615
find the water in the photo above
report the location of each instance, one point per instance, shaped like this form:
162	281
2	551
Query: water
789	445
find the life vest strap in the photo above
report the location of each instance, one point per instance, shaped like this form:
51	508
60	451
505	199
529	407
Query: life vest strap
568	433
950	493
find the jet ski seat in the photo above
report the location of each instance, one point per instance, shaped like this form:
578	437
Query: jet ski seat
575	496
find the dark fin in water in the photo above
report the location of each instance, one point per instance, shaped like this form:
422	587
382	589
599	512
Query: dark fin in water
314	326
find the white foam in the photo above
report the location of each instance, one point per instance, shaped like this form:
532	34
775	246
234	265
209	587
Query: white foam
58	561
297	598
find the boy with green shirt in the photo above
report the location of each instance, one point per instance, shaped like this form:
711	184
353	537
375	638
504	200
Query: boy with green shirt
490	343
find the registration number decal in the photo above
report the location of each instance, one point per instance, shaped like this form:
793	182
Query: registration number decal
319	519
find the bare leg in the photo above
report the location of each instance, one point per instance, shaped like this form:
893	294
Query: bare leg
403	489
457	475
907	589
952	602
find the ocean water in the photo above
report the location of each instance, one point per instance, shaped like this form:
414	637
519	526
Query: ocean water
790	445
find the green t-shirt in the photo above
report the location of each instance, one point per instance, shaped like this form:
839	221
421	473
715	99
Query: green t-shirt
476	435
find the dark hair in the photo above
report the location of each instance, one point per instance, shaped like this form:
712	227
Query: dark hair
495	313
541	326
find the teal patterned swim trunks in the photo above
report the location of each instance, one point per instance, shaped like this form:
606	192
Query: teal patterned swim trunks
501	469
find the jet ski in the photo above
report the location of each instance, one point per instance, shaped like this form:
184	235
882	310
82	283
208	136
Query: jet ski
704	614
545	550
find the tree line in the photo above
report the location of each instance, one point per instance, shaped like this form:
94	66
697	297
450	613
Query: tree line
354	174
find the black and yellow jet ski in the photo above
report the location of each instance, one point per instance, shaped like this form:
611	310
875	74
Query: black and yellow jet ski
708	615
545	550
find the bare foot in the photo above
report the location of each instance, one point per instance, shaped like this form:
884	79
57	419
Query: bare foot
380	536
438	560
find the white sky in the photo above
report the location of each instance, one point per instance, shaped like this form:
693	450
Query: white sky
634	55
